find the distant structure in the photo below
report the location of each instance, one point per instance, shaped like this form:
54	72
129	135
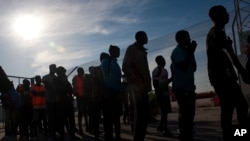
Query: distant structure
242	23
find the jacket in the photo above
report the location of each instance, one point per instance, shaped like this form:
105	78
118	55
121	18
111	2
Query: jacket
135	67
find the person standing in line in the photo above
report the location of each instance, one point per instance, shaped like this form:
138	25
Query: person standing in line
125	97
112	98
39	106
221	72
50	98
69	110
160	83
10	99
25	110
135	67
183	68
61	88
98	91
88	93
79	91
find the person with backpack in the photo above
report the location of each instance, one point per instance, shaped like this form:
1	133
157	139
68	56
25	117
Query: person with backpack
98	91
112	98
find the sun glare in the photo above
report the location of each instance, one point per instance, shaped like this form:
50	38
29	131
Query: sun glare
28	27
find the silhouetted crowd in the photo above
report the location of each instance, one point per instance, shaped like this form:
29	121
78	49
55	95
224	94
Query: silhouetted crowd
47	106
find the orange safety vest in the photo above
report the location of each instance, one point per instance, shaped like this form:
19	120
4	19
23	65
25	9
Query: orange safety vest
38	100
79	85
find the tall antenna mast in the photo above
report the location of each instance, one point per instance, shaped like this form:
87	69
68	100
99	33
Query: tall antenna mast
242	21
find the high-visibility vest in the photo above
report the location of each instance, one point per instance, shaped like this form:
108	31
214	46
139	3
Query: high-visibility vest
78	85
38	97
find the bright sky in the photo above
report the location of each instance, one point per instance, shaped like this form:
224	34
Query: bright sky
35	34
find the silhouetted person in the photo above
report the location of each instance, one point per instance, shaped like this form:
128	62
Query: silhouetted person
25	110
98	91
125	97
50	100
96	102
78	83
135	67
10	101
63	91
183	68
88	86
112	104
160	83
221	72
39	106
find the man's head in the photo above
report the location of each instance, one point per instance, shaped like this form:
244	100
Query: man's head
104	55
80	71
26	83
141	37
52	68
61	71
114	51
38	79
219	15
160	61
182	37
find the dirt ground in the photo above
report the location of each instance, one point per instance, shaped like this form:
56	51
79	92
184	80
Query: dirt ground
207	126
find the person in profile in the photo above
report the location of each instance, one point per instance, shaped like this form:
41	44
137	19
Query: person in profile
135	67
160	83
98	91
221	72
183	68
112	105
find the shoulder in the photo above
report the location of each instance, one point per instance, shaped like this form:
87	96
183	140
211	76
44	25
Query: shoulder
106	61
45	77
131	47
177	50
155	70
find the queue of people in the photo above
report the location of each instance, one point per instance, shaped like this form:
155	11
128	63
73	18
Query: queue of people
47	105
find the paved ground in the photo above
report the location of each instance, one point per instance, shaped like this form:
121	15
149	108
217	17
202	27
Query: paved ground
207	126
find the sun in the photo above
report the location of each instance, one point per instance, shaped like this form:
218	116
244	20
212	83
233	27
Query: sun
28	27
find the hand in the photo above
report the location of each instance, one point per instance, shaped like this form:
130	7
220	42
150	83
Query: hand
192	46
229	43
